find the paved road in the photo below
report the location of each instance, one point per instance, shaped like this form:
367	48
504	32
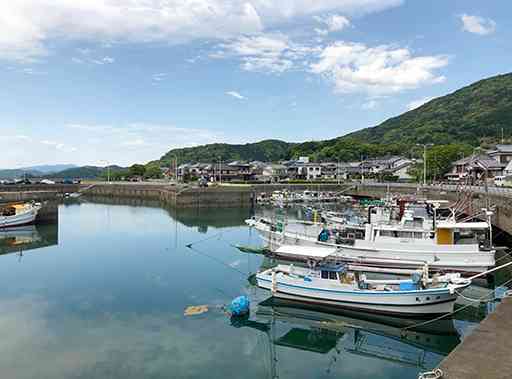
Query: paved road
504	191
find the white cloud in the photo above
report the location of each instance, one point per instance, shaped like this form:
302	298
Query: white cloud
104	60
418	103
159	77
271	53
337	23
355	67
236	95
28	26
59	146
477	25
321	32
334	23
370	104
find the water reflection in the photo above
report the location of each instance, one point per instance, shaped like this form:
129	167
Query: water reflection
338	333
107	301
29	237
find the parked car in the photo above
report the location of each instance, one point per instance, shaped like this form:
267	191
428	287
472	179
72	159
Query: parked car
503	181
47	181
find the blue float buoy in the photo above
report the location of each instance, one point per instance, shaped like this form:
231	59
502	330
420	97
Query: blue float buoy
240	306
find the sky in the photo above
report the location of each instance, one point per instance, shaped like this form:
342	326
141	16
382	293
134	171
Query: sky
104	82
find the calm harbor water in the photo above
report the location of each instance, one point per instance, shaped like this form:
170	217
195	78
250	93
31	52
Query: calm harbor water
102	295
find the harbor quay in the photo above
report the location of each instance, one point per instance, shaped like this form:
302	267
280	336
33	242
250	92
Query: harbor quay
245	195
485	353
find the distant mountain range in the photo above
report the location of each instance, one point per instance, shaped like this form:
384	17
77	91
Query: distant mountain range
34	170
48	169
56	171
473	115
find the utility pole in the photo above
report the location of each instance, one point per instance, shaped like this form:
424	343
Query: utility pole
424	165
425	145
338	172
220	170
176	168
362	169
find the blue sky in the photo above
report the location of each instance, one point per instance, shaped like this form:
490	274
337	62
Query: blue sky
118	82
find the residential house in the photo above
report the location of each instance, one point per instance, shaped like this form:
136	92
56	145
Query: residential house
382	164
274	172
502	153
508	170
476	167
402	171
330	170
310	171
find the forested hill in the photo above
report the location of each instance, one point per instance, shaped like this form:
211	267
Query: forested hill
268	150
473	115
468	115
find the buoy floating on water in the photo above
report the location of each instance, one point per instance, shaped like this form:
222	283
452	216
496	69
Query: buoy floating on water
240	306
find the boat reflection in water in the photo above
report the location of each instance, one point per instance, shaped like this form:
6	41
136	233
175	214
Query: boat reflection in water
22	238
326	330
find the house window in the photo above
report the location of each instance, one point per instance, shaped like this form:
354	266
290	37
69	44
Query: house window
332	275
325	274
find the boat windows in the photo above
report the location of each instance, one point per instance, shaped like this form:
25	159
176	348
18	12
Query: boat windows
7	211
331	275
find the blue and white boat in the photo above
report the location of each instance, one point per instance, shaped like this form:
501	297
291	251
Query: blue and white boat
334	285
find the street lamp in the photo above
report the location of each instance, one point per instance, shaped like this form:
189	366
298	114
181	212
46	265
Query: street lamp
108	169
425	145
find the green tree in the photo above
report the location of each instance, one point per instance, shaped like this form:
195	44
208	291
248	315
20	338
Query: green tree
137	170
153	171
439	160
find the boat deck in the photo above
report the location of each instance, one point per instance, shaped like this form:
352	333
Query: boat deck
485	353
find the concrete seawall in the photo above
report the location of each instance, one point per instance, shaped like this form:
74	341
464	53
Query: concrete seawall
187	197
245	196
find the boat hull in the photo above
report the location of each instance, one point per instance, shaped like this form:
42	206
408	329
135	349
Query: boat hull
23	218
409	256
400	303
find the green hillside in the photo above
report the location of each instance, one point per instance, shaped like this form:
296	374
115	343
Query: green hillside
268	150
473	115
470	115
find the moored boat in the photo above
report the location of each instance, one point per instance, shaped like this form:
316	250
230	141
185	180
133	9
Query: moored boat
16	214
334	285
445	244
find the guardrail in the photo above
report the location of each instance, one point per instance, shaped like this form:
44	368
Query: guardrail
502	191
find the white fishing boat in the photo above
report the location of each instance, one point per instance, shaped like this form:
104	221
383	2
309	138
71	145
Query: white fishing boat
445	245
16	214
334	285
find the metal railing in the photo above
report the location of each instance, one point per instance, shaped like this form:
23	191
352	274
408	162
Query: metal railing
502	191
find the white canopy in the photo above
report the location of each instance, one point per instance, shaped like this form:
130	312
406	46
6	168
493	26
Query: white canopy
306	251
462	225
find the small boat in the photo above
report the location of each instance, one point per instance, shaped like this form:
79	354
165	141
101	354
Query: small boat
334	285
16	214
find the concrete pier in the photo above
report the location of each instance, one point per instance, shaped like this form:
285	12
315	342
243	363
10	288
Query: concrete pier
485	353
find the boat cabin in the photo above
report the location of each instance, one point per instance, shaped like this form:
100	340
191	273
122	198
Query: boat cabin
10	209
336	272
461	233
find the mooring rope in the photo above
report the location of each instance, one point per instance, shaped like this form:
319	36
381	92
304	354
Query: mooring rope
403	330
217	260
